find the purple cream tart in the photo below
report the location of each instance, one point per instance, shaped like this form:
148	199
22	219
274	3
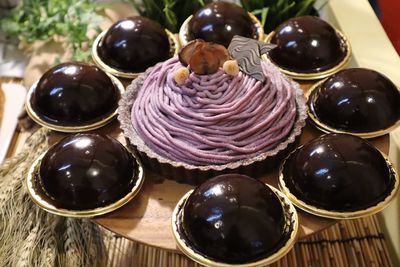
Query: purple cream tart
214	121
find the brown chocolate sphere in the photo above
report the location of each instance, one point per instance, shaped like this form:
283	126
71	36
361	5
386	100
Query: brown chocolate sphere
234	219
356	100
74	94
307	44
218	22
134	44
338	172
87	171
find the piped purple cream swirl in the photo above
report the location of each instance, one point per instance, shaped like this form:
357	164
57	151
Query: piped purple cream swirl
213	119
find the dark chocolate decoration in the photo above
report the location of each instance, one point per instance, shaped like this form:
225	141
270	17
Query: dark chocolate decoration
247	53
74	94
338	172
356	100
134	44
307	45
87	171
218	22
233	218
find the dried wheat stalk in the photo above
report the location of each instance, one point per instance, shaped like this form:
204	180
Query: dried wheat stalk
30	236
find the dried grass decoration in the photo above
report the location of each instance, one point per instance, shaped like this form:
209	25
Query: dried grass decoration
29	236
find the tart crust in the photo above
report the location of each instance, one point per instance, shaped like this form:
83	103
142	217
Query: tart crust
191	174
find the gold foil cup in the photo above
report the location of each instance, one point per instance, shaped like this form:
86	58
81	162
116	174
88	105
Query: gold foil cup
71	129
291	218
43	200
338	214
320	125
319	74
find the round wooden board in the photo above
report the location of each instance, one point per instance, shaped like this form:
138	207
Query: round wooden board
147	218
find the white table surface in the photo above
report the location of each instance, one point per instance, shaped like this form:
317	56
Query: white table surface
372	49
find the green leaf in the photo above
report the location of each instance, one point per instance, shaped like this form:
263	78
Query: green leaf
35	20
271	13
169	13
305	7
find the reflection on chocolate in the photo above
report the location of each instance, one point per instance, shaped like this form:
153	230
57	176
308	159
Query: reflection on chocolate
234	219
218	22
74	94
134	44
87	171
357	100
338	172
307	44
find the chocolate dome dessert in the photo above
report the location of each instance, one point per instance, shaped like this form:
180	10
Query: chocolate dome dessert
308	45
234	219
358	101
338	173
132	45
87	171
73	94
218	22
84	175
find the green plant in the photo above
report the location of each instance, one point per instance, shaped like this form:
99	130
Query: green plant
273	12
169	13
69	20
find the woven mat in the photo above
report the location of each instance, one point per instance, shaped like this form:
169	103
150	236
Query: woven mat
348	243
358	242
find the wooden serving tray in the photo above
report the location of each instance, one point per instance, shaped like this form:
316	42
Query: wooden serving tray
147	218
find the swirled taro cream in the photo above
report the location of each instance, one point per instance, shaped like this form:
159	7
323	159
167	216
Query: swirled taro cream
201	114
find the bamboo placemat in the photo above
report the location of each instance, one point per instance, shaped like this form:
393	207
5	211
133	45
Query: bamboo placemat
358	242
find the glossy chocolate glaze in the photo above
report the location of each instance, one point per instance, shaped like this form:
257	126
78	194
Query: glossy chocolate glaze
218	22
357	100
338	172
87	171
233	218
134	44
74	94
307	44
